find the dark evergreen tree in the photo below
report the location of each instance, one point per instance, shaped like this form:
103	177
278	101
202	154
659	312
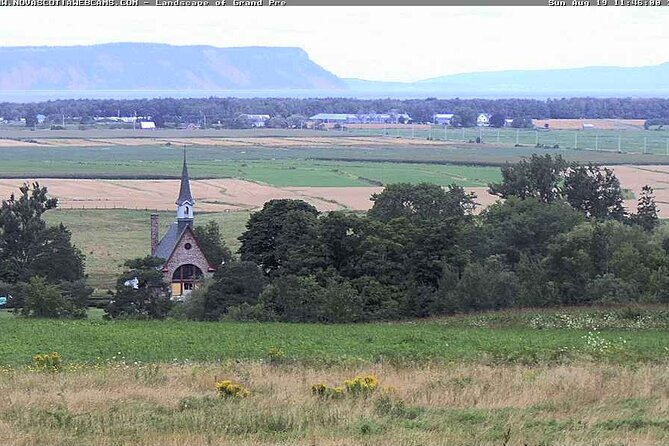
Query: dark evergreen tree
646	214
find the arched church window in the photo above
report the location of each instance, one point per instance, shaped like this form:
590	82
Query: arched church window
187	272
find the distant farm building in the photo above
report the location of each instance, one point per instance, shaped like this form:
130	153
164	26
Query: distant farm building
361	118
258	120
147	125
508	122
483	120
334	118
588	126
443	118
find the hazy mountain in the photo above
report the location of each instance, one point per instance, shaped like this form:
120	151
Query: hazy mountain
572	79
166	70
588	80
147	66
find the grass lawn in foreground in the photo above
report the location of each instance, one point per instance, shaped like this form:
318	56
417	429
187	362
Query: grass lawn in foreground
441	341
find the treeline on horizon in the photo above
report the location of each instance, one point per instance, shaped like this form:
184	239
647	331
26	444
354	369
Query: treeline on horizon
167	111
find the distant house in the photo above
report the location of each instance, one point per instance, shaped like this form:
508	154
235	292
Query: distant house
508	122
147	125
483	120
258	120
588	126
443	118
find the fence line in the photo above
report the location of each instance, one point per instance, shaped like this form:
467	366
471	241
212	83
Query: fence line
630	141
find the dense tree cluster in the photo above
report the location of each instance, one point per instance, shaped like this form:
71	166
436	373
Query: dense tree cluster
421	251
292	112
39	267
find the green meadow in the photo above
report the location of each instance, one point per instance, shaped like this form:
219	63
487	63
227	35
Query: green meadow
636	336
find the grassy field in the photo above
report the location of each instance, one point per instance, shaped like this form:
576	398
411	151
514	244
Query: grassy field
207	162
317	166
632	336
634	141
109	237
510	378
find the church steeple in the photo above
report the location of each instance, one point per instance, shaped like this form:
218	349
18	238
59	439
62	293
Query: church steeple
185	202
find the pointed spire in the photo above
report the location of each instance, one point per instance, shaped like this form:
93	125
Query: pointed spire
184	191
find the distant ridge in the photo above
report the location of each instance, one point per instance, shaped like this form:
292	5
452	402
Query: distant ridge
568	79
150	66
181	71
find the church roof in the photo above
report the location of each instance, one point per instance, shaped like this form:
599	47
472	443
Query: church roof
185	194
170	239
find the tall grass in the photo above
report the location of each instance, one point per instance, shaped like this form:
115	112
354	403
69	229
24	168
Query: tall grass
459	404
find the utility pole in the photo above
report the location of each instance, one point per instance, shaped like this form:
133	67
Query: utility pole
575	141
620	143
497	136
536	138
517	136
596	142
645	144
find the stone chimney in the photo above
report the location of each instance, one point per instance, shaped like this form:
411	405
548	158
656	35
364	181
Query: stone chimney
155	228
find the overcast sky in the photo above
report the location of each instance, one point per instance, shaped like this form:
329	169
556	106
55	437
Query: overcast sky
378	43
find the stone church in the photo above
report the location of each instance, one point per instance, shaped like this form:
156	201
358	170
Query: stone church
185	263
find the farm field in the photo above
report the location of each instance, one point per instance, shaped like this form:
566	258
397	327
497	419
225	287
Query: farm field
237	158
328	186
510	377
